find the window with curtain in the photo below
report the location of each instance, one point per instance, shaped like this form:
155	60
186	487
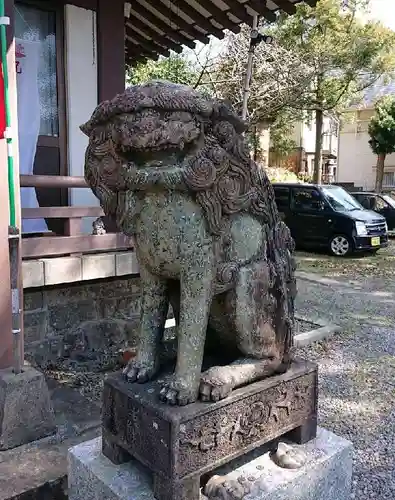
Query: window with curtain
39	25
42	22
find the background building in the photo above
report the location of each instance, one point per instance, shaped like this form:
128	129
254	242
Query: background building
301	160
357	163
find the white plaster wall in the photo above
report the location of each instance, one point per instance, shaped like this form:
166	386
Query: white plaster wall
309	136
356	161
304	135
82	94
297	133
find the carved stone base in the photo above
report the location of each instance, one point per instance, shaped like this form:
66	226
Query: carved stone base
180	444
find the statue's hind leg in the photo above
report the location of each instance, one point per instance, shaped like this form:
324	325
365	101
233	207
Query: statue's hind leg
258	319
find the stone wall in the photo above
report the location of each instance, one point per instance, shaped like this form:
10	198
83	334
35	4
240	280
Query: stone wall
81	325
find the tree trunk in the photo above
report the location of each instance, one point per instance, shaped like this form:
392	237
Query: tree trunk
380	172
264	142
319	118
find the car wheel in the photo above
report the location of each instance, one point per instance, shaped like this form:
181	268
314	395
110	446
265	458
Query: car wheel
340	245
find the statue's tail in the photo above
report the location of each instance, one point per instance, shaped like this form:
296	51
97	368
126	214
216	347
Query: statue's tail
280	254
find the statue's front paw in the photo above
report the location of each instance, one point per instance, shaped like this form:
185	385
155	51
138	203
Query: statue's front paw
288	457
140	371
177	391
216	383
220	487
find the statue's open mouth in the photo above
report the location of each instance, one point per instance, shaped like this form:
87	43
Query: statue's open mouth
161	156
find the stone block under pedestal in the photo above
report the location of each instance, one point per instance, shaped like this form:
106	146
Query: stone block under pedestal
26	412
326	475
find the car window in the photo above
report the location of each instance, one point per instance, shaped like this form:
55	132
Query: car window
282	198
374	203
380	203
339	199
306	199
389	200
363	200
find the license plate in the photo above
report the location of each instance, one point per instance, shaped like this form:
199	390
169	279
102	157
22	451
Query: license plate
375	242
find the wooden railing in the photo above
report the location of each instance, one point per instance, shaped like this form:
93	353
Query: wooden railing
74	241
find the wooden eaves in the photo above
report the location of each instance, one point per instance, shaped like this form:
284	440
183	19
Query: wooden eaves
155	28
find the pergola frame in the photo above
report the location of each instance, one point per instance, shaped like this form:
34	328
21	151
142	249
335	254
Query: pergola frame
153	30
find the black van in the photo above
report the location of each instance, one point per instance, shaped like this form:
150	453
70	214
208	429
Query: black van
327	216
383	204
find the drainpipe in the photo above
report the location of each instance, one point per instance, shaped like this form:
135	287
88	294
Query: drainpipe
13	231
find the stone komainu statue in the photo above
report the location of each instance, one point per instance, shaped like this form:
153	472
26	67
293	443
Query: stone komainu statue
171	166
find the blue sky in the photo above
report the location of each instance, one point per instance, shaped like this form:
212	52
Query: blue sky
383	10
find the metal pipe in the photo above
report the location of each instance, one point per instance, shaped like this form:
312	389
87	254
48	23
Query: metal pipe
247	81
13	242
53	181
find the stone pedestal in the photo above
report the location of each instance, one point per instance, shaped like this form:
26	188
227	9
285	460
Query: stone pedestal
26	412
326	474
181	444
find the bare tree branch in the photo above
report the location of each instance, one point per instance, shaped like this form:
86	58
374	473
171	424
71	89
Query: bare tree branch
279	77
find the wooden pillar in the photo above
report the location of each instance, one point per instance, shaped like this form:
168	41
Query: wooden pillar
5	286
111	48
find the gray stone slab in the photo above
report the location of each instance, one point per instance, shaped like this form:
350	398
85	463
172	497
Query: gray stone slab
324	331
62	270
126	263
33	273
26	412
96	266
38	470
92	476
325	476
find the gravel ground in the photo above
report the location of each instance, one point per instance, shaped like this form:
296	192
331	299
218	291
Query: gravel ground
302	326
89	384
357	367
374	269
